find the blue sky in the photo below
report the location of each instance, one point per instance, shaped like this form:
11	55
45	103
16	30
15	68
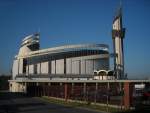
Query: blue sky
63	22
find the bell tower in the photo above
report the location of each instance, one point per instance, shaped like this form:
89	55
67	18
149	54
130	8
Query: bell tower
118	34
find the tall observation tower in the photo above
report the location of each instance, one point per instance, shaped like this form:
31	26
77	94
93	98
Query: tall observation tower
118	33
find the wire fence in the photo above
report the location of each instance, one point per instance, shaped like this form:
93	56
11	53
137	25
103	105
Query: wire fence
91	93
105	93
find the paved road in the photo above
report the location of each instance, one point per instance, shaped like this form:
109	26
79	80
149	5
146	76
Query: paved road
12	103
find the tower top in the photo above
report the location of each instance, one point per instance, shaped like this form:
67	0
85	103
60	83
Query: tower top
118	13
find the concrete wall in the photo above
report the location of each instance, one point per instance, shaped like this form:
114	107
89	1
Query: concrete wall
44	67
89	66
15	68
97	64
31	69
60	66
53	67
74	65
17	87
68	66
83	66
39	68
27	71
20	66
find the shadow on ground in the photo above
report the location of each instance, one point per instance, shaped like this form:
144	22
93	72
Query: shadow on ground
16	102
20	103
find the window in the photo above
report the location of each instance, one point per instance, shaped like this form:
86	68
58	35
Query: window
35	68
24	65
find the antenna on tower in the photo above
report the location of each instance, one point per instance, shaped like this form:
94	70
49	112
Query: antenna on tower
120	7
118	12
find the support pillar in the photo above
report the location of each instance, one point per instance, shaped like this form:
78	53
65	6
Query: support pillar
72	91
25	89
66	91
44	89
37	84
108	88
96	88
49	89
37	88
49	84
84	91
121	89
60	95
126	95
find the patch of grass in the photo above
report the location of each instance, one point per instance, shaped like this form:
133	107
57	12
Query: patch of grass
83	105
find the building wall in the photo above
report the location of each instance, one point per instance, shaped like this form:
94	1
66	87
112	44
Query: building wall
89	66
15	68
17	87
44	67
60	66
38	68
20	66
86	65
97	64
83	66
53	67
68	66
74	65
31	69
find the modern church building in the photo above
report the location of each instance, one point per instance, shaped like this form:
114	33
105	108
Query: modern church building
73	72
69	62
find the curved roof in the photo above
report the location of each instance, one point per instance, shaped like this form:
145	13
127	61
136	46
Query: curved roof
73	47
67	48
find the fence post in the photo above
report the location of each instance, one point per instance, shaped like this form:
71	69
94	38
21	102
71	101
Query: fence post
107	95
96	87
126	95
66	91
84	91
37	86
121	89
72	91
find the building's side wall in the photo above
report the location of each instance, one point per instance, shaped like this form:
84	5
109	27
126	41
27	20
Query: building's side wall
53	67
20	66
89	66
15	68
103	65
27	70
86	65
60	66
97	64
39	68
17	87
31	69
83	66
68	66
73	65
44	67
